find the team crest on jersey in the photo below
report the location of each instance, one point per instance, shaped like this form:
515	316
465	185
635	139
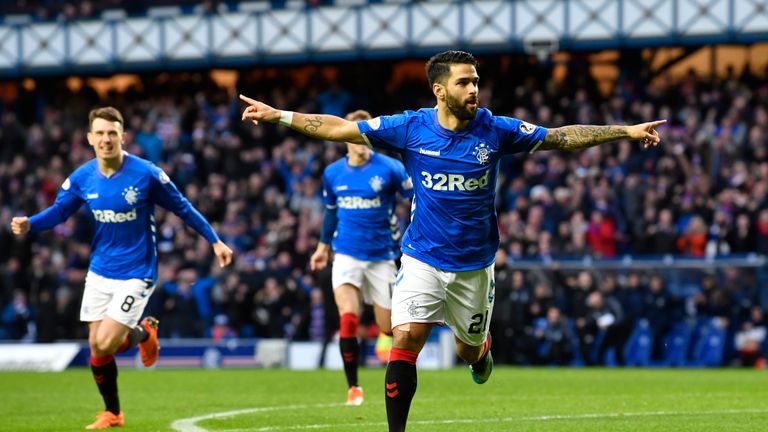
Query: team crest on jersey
131	195
377	183
482	153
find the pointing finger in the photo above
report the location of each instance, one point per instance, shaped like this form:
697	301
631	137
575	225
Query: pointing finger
248	100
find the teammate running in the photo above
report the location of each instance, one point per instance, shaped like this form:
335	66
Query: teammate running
121	192
360	194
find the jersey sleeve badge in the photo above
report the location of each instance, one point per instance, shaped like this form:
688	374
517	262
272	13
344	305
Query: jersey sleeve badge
527	128
374	123
164	179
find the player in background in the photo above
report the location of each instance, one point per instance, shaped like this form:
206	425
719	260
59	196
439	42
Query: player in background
360	193
121	192
452	152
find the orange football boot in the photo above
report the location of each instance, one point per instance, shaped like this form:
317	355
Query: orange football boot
355	396
150	348
107	419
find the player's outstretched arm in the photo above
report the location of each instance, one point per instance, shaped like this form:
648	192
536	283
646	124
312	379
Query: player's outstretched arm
577	137
223	253
20	225
320	126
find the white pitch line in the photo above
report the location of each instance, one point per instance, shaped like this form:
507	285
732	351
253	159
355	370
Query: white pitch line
188	425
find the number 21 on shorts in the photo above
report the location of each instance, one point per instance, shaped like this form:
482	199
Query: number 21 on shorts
478	324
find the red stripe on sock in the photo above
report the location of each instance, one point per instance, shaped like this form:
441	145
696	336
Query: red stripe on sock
348	325
403	355
101	361
487	346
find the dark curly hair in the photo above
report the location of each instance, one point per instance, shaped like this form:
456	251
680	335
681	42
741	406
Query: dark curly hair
439	66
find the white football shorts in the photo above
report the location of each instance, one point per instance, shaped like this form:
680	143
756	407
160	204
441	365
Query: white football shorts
122	300
374	279
462	300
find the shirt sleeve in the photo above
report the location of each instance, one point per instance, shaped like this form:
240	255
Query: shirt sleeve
387	132
330	221
517	136
329	195
68	201
165	194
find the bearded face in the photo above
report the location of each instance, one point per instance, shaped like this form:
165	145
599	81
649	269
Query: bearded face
462	109
461	90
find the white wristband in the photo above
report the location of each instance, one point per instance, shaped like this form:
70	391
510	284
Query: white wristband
286	118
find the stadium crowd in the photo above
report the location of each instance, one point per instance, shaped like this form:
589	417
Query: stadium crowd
702	193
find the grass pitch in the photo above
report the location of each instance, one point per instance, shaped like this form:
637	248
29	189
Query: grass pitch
446	401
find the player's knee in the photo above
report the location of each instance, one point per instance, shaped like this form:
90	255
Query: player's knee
346	308
469	353
99	349
102	346
408	337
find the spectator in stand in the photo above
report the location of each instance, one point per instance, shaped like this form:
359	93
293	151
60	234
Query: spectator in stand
663	235
630	294
607	316
18	318
601	235
181	312
512	326
554	338
742	238
750	338
762	232
693	242
659	310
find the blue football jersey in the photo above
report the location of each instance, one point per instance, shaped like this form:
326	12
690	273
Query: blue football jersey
124	244
364	198
453	217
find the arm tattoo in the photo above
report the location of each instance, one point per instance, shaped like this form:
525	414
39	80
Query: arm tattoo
312	125
582	136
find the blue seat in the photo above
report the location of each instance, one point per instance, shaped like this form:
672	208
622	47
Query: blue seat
676	345
710	345
637	351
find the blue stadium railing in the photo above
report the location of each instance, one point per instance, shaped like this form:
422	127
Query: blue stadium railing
246	34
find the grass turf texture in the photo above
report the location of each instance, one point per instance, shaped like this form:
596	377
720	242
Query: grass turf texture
512	400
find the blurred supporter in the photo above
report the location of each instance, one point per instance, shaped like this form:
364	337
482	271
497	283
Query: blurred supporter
17	318
554	339
750	338
608	324
511	326
693	242
658	309
183	315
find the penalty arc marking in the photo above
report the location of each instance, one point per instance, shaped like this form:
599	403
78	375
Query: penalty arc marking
189	424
